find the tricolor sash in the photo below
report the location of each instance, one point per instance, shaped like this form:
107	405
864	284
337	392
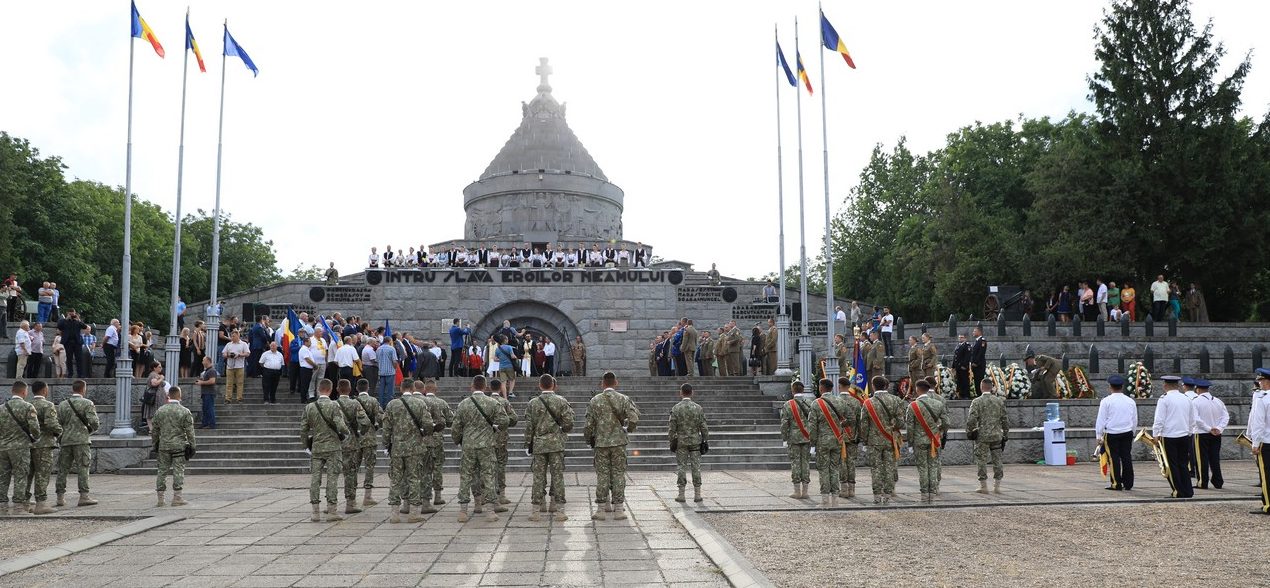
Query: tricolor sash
877	423
798	419
825	409
921	420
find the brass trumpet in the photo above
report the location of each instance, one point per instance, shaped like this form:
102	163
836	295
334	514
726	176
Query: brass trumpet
1244	440
1144	436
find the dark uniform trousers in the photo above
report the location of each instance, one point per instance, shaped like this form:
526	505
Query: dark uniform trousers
1120	451
1177	451
1208	460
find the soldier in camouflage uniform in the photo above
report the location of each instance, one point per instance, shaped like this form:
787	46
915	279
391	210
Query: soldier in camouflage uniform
19	428
323	432
359	424
926	409
610	416
852	403
797	438
367	456
404	440
413	400
42	449
476	423
882	442
989	427
435	445
548	421
171	431
497	392
826	424
689	439
78	417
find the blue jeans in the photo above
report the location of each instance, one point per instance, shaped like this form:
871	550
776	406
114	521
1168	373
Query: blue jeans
42	313
386	385
209	410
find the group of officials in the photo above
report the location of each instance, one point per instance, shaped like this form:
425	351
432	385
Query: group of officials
342	434
685	351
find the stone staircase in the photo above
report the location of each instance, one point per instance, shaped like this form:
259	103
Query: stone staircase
744	429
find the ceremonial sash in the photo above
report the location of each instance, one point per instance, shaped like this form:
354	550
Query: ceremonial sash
921	420
798	419
833	424
877	423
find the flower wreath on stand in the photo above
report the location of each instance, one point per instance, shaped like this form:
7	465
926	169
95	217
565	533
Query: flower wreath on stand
1017	384
1079	382
945	382
1137	381
999	379
1065	388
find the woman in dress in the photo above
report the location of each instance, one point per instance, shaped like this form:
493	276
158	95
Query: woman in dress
156	394
1065	304
147	354
527	355
540	359
1175	300
59	357
491	357
187	350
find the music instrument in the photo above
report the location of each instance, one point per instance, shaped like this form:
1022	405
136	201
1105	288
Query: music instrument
1244	440
1144	436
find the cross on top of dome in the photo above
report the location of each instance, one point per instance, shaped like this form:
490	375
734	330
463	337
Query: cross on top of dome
543	70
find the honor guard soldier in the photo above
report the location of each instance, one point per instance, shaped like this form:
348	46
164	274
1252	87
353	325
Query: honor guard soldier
476	424
368	455
359	424
172	432
610	417
1211	418
1174	422
689	440
500	443
442	415
927	423
42	449
19	429
78	417
1188	390
405	429
796	434
1117	420
1044	371
827	428
852	402
413	399
323	431
1259	434
988	426
880	422
548	421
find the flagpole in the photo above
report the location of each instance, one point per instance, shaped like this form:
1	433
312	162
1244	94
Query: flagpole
804	338
213	307
831	359
782	314
172	350
122	428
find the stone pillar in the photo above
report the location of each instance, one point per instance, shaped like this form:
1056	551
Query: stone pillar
806	371
952	326
1204	360
1027	326
123	394
782	344
171	359
1093	359
1076	326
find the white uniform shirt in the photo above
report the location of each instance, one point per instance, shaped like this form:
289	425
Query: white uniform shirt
1117	413
1259	418
306	355
1191	395
346	355
368	357
271	360
1174	416
1210	413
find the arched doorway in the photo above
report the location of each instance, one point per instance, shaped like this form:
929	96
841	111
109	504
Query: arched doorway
538	318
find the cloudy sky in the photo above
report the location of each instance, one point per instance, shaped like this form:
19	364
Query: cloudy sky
365	123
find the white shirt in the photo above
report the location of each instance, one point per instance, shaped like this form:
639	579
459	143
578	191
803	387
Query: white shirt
346	355
112	336
436	351
1160	291
1191	395
1117	413
1210	413
271	360
317	349
1259	418
549	349
22	343
306	356
374	260
368	357
888	323
232	354
840	316
1101	296
1174	416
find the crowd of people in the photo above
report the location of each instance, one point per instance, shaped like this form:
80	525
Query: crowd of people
685	351
1165	300
512	257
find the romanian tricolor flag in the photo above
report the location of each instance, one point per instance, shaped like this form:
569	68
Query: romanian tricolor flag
287	333
802	72
832	41
192	45
141	30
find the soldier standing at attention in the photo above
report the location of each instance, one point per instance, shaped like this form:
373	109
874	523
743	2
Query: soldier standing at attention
827	424
689	347
880	430
706	354
610	416
442	417
500	444
1113	429
721	352
322	432
359	423
927	423
769	349
689	439
42	449
421	483
476	423
577	352
19	428
797	438
989	427
404	441
548	421
172	432
736	360
978	357
852	403
78	417
366	456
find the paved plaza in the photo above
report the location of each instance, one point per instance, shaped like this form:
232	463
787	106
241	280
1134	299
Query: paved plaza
254	531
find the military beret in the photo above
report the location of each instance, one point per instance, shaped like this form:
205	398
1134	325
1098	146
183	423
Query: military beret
1187	380
1171	379
1263	372
1199	383
1115	380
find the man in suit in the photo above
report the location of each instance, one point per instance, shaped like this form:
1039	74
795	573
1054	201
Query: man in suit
257	341
978	358
689	347
961	367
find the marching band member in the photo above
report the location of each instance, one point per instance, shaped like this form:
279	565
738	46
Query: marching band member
1174	420
1117	419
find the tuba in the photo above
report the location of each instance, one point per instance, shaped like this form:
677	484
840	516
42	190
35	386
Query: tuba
1144	436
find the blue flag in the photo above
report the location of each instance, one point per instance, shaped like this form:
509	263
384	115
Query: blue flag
233	49
387	330
780	59
331	337
860	375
